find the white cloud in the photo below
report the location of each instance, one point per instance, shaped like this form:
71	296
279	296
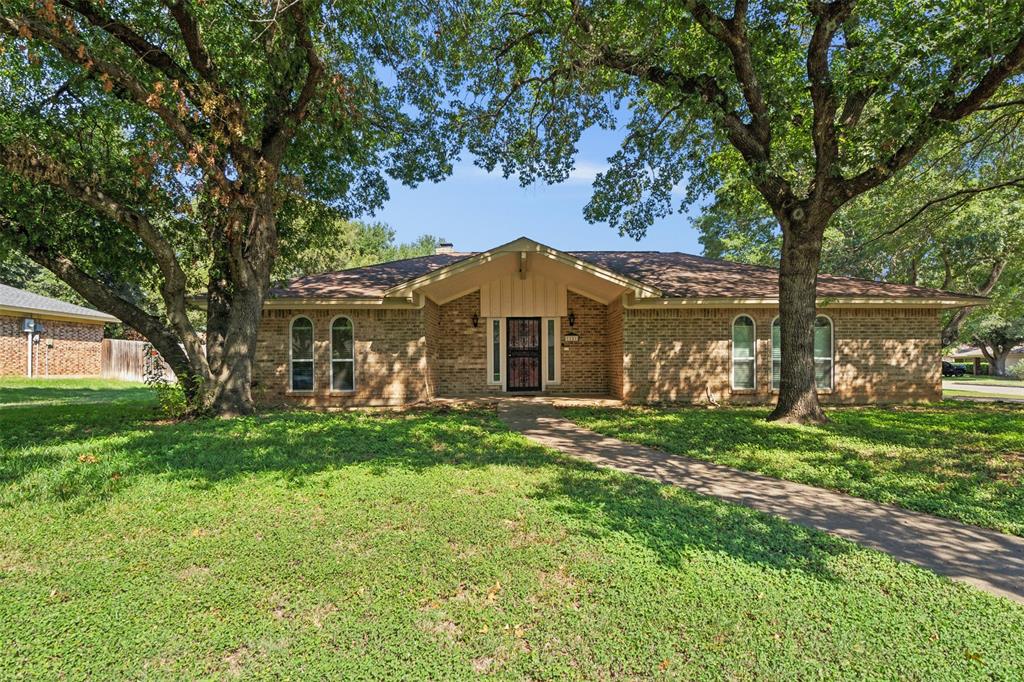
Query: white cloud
586	172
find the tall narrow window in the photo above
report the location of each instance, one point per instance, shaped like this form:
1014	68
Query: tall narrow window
551	350
302	354
343	359
776	354
743	352
496	350
823	352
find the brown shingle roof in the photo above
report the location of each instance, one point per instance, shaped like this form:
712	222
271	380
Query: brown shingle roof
369	281
683	275
677	275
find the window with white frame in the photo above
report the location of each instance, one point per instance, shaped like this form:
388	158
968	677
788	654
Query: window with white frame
823	353
776	354
495	364
301	354
743	362
552	352
343	358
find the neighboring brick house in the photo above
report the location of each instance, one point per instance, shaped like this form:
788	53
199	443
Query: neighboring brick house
41	336
644	326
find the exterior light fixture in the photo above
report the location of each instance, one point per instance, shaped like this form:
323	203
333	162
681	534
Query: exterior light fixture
476	320
572	319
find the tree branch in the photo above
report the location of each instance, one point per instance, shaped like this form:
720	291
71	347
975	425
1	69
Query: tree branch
197	54
106	299
968	191
148	52
831	17
732	33
278	131
945	109
29	163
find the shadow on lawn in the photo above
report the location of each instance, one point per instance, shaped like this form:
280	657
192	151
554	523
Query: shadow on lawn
18	396
961	461
296	445
694	429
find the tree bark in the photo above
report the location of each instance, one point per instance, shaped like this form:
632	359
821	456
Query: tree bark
230	393
798	288
998	361
237	285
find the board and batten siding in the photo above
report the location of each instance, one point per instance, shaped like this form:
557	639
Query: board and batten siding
532	296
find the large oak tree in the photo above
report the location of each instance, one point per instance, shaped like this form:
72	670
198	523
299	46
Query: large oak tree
140	138
953	219
813	103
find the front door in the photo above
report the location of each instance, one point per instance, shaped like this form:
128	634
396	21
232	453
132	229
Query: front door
523	368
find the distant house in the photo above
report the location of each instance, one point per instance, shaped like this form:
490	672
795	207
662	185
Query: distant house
643	326
973	356
41	336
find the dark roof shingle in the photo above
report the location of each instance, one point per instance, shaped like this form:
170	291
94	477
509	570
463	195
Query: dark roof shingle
677	275
26	300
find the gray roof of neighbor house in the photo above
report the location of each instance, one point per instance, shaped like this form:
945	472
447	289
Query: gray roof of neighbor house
676	275
27	304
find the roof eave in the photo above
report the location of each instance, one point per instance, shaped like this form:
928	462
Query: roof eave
822	301
521	244
62	315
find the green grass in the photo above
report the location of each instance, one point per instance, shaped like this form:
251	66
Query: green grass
428	545
963	461
985	380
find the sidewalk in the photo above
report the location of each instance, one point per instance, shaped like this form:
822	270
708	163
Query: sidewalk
987	559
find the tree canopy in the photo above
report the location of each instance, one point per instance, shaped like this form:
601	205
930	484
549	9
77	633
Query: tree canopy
140	138
808	104
953	219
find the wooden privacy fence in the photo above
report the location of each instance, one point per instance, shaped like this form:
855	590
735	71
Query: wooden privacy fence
126	360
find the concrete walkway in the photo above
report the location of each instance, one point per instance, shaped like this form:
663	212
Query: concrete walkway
984	558
1010	391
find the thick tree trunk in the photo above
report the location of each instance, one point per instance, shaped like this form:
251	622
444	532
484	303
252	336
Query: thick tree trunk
229	393
798	279
999	363
235	305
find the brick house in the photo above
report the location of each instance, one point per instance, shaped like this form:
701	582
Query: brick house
41	336
637	325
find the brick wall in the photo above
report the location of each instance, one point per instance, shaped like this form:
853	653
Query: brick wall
615	348
679	355
391	356
432	335
585	362
462	349
75	349
660	355
887	355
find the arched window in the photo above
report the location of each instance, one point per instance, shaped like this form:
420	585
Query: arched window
822	352
743	363
301	354
343	358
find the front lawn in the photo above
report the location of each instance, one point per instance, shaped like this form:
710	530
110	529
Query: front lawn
428	545
964	461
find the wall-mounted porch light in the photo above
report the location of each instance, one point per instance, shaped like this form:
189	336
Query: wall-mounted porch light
476	320
572	319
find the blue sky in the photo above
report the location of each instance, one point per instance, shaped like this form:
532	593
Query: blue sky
475	210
